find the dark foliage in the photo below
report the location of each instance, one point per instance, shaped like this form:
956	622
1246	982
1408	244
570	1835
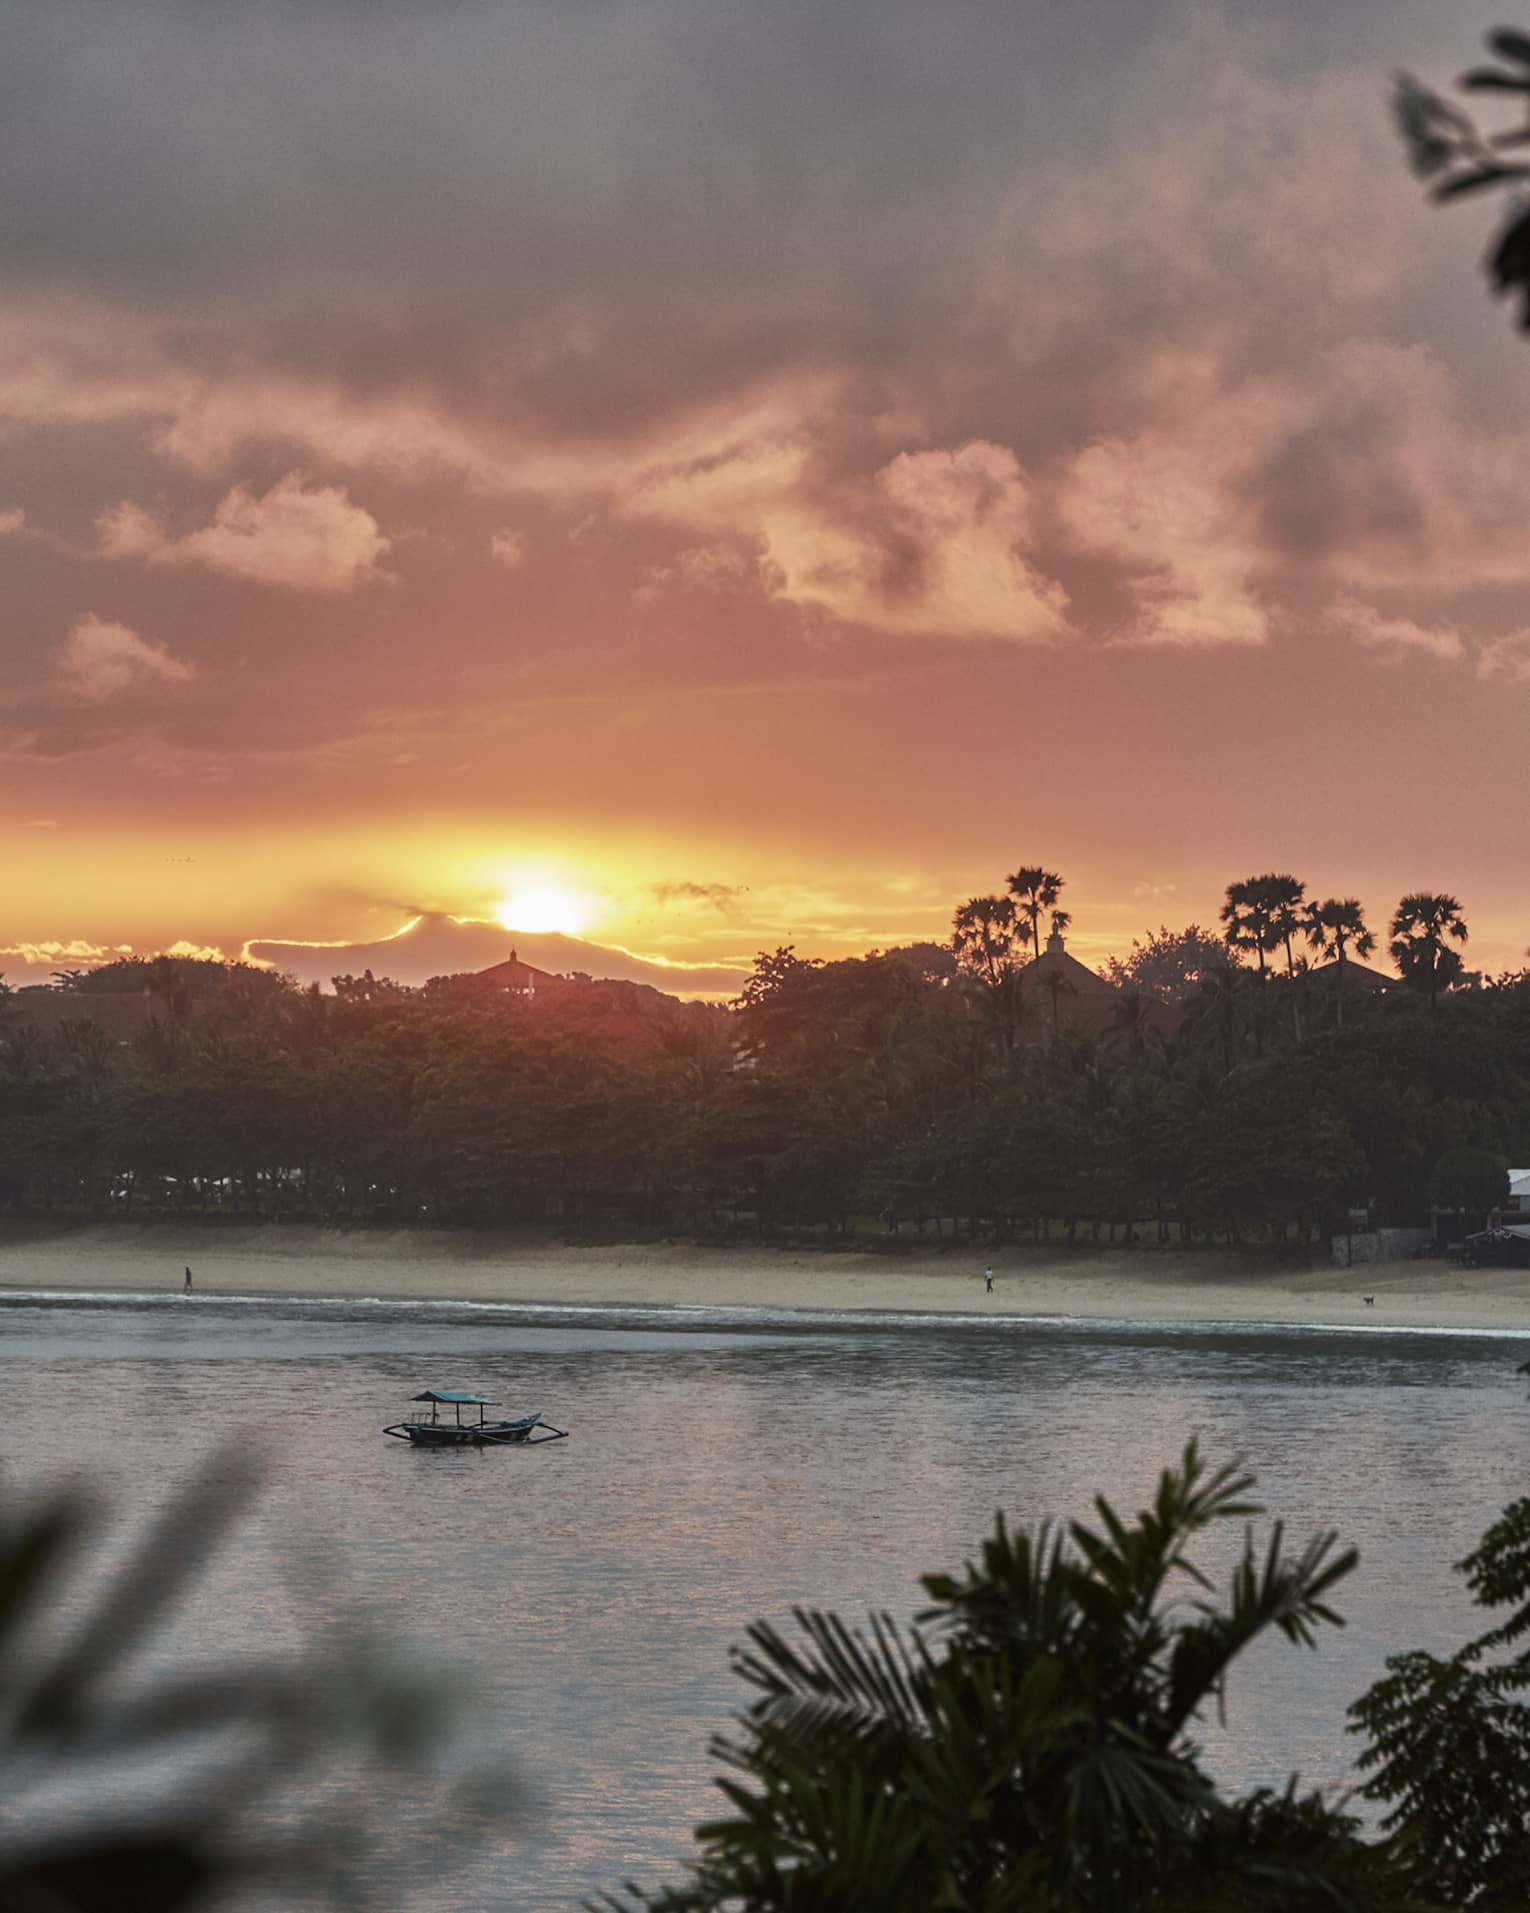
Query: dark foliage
126	1786
915	1092
1029	1745
1448	1743
1447	146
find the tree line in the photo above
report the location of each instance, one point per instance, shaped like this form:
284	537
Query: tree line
1239	1085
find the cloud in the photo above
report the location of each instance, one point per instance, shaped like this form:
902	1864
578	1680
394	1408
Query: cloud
966	513
1366	472
1366	625
931	544
1163	505
203	952
128	531
719	896
703	568
99	659
1160	350
37	961
1233	297
56	952
1506	658
299	537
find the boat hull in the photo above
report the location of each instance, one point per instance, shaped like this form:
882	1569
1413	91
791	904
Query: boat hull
529	1432
490	1434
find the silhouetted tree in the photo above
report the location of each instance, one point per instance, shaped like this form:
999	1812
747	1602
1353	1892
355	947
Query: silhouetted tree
1035	891
1248	920
1336	928
1420	926
1030	1742
1448	1744
1473	1181
1169	964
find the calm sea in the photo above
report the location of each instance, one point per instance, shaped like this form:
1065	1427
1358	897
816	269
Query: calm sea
723	1467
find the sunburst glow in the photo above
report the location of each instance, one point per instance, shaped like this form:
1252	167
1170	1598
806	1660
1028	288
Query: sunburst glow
543	907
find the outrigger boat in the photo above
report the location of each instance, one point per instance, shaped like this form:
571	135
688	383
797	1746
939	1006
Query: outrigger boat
433	1431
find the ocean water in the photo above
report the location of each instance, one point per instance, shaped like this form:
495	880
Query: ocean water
723	1467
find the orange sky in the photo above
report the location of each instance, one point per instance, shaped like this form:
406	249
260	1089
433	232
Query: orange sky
763	474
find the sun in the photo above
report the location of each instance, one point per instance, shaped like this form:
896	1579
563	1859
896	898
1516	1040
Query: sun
543	907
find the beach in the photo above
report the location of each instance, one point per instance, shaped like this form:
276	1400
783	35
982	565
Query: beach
1087	1283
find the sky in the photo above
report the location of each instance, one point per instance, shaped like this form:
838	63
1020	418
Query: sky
701	475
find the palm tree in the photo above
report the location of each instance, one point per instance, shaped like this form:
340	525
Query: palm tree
1216	1006
1334	929
1419	929
1031	1741
1283	895
1255	915
1247	921
986	937
1035	891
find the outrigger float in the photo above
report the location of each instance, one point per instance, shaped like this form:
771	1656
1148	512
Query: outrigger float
433	1431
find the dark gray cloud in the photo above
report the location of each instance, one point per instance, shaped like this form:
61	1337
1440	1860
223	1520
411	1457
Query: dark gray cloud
575	224
581	211
719	896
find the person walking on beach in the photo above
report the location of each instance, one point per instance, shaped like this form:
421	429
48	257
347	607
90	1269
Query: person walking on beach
187	1289
988	1281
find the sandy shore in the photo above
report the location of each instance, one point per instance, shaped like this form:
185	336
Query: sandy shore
1142	1285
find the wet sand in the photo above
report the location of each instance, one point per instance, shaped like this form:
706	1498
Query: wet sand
1141	1284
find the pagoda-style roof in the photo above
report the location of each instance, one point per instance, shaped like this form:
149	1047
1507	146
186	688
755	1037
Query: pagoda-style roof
1076	978
513	974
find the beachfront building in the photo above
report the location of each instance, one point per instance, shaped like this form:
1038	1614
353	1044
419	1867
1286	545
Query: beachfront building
1060	993
1359	979
516	978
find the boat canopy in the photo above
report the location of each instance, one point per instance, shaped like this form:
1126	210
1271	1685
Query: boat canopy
451	1395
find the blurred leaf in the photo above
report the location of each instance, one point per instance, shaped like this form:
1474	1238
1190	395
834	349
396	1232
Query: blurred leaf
1434	132
1492	79
274	1770
1512	45
1479	180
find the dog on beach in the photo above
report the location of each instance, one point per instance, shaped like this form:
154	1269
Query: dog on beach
1369	1301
